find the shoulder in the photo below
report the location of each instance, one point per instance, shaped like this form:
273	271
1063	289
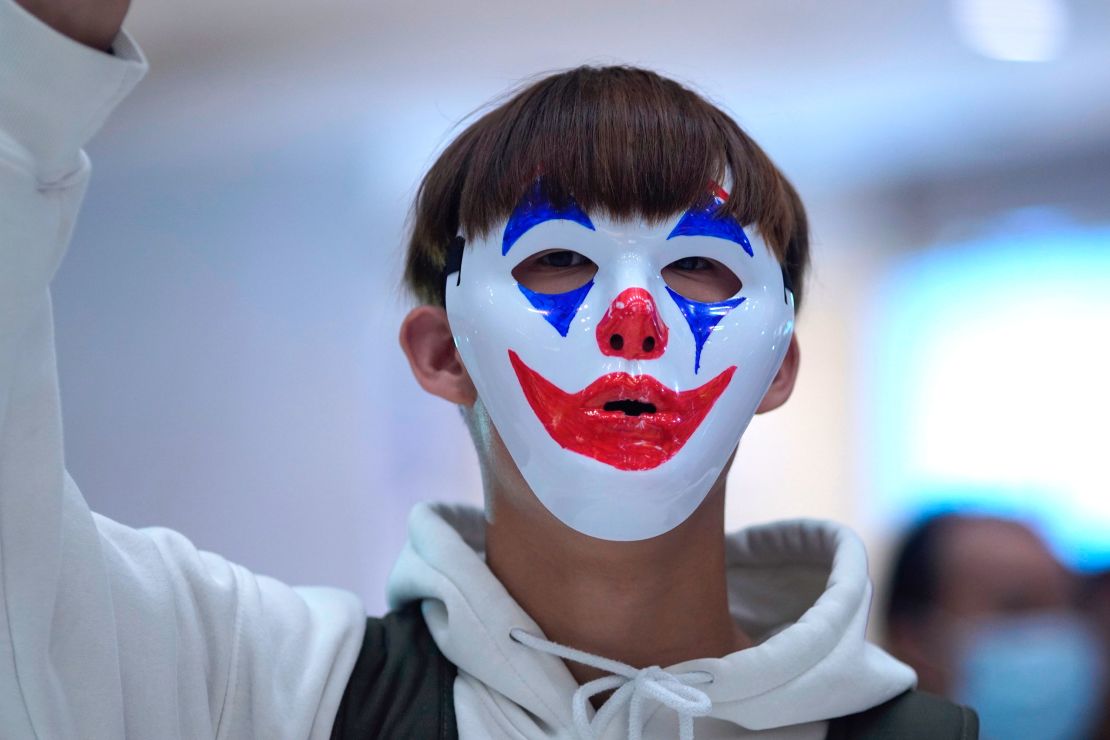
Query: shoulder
401	686
912	715
398	640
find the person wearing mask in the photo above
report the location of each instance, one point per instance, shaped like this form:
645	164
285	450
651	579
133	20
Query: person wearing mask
607	270
987	616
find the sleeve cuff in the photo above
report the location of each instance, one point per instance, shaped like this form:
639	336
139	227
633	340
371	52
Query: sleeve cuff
56	93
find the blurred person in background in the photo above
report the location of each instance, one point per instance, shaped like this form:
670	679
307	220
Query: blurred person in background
987	616
1095	602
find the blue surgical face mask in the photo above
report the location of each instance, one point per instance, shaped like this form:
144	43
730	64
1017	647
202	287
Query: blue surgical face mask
1039	677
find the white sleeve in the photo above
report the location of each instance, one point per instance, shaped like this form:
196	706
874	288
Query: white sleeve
106	631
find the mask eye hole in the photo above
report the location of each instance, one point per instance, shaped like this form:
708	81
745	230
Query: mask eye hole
701	279
554	271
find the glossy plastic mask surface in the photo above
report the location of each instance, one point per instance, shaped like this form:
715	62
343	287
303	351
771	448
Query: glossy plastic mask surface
621	400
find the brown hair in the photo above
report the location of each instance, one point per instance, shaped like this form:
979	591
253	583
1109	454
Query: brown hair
622	140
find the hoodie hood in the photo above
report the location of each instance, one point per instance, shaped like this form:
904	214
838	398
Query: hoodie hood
800	589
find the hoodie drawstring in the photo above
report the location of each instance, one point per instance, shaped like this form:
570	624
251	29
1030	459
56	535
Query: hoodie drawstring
632	686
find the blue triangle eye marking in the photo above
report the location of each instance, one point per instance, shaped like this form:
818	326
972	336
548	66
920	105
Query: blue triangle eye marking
535	208
700	221
703	319
558	308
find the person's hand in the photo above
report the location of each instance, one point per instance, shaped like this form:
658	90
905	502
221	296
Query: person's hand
92	22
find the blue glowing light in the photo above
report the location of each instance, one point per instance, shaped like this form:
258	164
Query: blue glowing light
703	319
535	208
991	384
701	220
558	308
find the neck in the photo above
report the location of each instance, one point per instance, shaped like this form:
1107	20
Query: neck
659	601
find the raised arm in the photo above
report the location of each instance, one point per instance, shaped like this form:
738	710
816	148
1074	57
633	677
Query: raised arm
54	94
107	631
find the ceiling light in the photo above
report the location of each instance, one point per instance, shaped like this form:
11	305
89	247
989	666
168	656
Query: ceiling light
1012	30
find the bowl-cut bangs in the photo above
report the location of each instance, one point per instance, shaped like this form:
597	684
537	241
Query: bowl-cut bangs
620	140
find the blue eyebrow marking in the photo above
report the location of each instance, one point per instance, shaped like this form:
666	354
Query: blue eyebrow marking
535	208
701	220
703	319
558	308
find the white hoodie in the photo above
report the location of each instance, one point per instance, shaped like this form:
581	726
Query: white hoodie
110	632
799	589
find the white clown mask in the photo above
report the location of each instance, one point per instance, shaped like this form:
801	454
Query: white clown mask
620	401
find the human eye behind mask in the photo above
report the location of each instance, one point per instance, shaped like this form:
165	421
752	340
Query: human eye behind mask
701	279
554	271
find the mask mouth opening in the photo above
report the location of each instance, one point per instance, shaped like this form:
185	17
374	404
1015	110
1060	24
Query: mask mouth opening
630	407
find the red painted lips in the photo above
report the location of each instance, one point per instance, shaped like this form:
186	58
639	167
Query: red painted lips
629	422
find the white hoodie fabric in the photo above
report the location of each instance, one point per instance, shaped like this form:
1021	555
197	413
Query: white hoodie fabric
799	589
105	631
111	632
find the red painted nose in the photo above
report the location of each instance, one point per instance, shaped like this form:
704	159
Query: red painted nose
632	327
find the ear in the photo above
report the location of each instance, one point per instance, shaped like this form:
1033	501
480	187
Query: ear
430	348
783	384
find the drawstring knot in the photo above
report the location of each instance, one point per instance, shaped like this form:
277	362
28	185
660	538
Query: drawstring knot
630	686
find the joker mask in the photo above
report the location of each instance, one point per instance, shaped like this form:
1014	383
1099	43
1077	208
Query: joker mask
621	398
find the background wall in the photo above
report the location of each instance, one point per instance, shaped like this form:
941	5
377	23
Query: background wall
227	313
